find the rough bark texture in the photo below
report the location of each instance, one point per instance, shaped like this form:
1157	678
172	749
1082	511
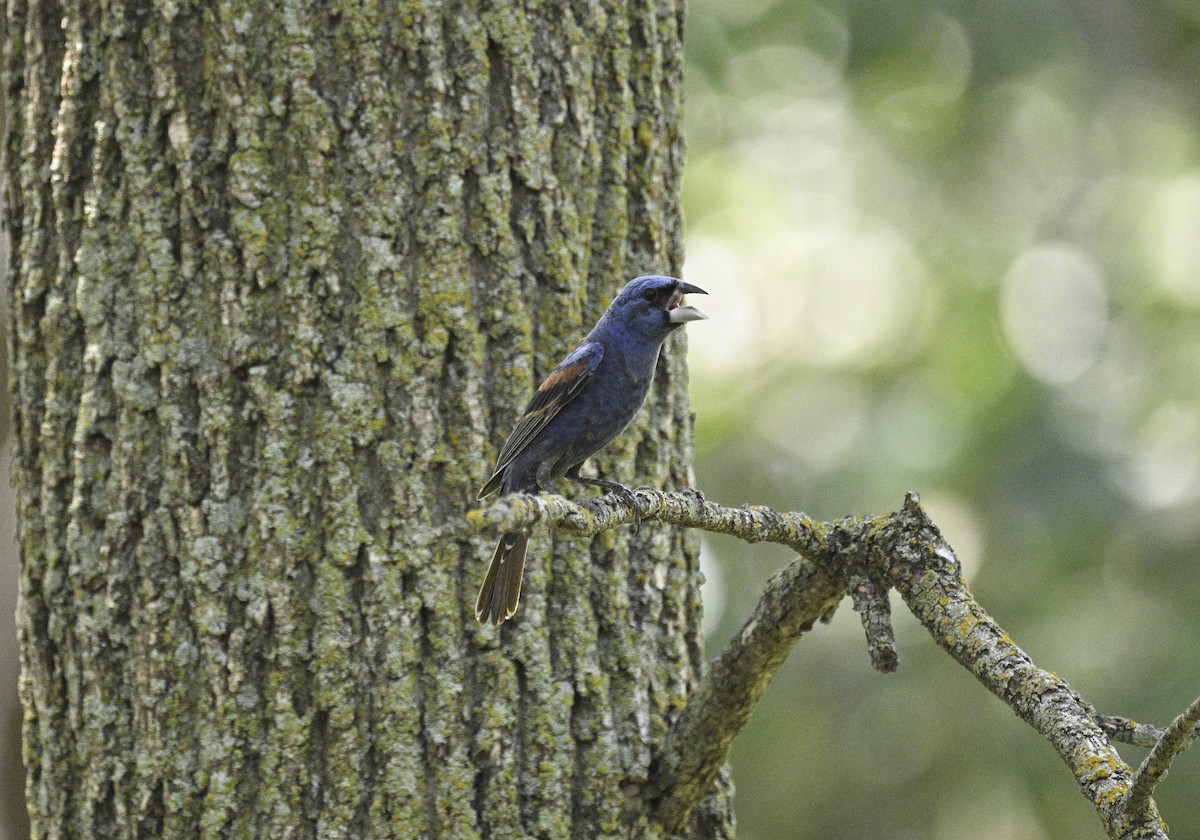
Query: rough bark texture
283	276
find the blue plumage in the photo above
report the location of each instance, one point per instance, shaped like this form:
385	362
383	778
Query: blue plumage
585	402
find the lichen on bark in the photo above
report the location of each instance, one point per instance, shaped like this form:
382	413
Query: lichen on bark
283	275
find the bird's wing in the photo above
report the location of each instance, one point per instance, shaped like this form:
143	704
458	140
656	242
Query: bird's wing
562	385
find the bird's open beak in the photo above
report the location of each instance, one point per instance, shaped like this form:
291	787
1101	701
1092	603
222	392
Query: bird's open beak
678	314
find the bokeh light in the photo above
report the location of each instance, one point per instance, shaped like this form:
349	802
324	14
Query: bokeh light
954	250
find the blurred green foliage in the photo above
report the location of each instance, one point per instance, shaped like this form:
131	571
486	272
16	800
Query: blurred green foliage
953	248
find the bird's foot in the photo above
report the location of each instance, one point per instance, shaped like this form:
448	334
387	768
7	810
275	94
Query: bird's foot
621	490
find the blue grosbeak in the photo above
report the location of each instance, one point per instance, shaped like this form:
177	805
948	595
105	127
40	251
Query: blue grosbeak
583	404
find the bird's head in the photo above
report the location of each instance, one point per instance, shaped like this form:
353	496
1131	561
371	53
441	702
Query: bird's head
653	305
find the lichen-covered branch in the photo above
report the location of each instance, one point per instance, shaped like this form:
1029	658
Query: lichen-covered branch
754	523
699	742
1177	738
1126	731
927	575
861	557
870	599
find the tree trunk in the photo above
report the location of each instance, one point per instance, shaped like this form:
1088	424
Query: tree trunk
284	274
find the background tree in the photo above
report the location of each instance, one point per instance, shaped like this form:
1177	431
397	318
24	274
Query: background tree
283	276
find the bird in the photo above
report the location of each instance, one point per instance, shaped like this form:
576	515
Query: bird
589	398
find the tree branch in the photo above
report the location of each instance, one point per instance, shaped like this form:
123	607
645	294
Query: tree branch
1131	732
1177	738
698	743
926	573
863	558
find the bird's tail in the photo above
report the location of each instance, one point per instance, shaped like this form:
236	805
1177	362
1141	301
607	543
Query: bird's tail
501	588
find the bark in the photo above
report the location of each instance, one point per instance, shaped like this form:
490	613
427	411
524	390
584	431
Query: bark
283	276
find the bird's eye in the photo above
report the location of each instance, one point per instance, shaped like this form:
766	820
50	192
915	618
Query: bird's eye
652	295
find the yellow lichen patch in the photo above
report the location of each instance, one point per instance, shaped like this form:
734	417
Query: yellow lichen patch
967	624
